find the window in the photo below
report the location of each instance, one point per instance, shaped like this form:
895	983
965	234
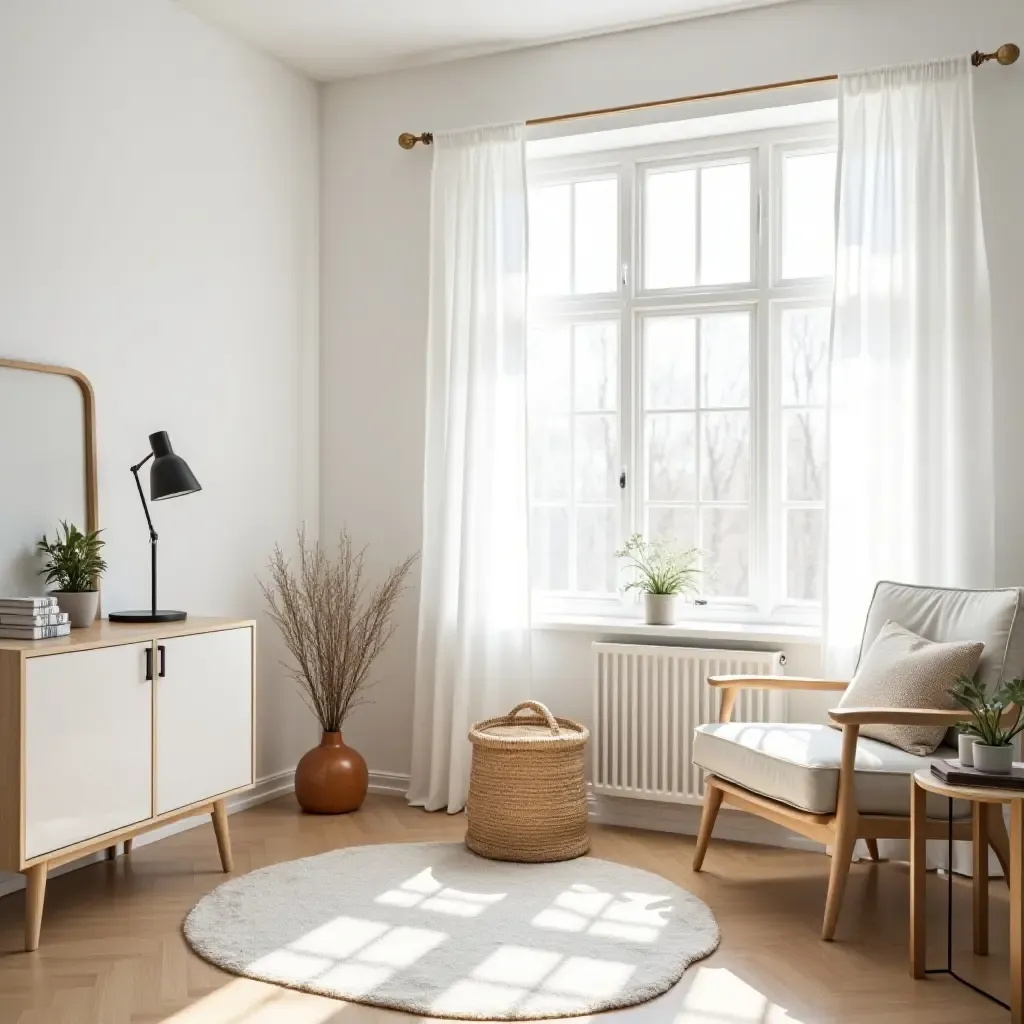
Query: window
677	366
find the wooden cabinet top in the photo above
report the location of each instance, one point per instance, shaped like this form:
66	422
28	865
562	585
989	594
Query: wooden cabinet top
104	633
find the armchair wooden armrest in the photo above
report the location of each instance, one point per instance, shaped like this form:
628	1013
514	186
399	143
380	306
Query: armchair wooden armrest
731	686
905	716
777	683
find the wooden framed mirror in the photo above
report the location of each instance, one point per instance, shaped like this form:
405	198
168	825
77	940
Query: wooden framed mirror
47	464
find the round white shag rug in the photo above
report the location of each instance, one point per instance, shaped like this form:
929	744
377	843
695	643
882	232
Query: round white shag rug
435	930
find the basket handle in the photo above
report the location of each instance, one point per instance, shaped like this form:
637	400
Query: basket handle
540	709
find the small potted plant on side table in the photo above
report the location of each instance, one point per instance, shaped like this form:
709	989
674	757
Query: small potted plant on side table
996	721
663	573
75	564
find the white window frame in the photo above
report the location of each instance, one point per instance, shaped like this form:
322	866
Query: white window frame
766	294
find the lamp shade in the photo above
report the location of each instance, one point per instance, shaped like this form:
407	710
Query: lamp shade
169	475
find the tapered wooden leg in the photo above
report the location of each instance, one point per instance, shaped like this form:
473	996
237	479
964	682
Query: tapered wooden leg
128	846
111	852
998	839
220	826
847	820
35	895
712	804
1017	912
918	848
872	845
979	846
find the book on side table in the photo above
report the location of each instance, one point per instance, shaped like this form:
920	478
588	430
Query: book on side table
953	773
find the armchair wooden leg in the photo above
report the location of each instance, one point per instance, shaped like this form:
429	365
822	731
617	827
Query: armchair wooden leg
35	895
712	804
847	820
220	827
872	845
918	852
128	846
998	838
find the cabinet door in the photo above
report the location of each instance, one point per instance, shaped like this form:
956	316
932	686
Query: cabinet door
203	716
88	745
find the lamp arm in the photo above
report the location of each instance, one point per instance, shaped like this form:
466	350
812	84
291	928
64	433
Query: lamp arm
142	496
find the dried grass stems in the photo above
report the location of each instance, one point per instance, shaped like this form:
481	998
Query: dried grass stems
330	625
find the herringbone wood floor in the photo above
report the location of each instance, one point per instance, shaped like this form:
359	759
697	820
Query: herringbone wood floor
112	950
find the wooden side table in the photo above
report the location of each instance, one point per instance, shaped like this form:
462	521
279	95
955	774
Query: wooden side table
925	782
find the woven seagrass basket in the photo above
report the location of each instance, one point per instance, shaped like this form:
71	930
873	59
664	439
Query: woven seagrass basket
527	792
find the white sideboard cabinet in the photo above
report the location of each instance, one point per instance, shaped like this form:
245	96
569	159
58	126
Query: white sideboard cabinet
117	729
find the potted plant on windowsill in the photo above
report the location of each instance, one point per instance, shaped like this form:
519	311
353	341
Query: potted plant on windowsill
662	574
75	565
334	630
996	721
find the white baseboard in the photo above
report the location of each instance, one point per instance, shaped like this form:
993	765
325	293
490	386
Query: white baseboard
265	789
391	783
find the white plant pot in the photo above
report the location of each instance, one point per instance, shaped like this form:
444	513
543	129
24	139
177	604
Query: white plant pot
81	607
965	742
660	609
995	760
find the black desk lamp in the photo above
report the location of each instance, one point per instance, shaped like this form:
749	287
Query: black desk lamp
169	477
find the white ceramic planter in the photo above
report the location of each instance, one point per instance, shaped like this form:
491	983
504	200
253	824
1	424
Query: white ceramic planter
965	743
81	607
997	760
660	609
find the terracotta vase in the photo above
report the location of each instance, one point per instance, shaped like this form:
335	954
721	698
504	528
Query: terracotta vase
331	778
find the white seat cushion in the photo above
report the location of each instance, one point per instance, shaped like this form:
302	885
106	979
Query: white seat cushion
798	765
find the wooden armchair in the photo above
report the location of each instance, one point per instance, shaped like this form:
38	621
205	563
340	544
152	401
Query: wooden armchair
837	787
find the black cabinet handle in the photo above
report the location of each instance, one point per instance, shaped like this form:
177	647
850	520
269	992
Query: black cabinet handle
149	663
163	660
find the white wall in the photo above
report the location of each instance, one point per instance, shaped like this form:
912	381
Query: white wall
159	231
374	254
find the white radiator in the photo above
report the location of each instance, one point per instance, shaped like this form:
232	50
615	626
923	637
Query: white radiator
647	702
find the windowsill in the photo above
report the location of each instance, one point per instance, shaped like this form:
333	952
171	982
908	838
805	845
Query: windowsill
751	632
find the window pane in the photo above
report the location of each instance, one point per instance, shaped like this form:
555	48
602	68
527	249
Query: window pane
725	360
549	548
670	447
725	538
805	335
725	223
670	361
596	227
805	549
804	432
673	524
597	367
597	460
549	458
808	214
547	370
596	568
549	240
670	229
725	456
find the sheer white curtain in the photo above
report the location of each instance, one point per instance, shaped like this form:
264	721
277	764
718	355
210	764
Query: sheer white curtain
910	451
473	650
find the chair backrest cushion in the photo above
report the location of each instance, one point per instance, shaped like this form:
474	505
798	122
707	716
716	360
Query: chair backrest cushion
945	614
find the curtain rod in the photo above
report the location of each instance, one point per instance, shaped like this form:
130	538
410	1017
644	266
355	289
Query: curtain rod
1006	54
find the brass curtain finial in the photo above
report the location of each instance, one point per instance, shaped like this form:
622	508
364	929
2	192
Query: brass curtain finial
407	140
1006	54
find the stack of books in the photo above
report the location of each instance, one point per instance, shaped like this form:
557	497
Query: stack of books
953	773
32	618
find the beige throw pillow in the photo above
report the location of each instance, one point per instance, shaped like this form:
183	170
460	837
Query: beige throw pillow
904	670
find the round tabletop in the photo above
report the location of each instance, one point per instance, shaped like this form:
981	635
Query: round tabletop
926	779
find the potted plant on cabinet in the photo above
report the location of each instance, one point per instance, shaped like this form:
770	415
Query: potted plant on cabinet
996	721
662	573
334	630
75	565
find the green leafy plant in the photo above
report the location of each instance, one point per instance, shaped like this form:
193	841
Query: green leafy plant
993	720
74	562
660	568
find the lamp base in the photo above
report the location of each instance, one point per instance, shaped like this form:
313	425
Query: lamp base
147	615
